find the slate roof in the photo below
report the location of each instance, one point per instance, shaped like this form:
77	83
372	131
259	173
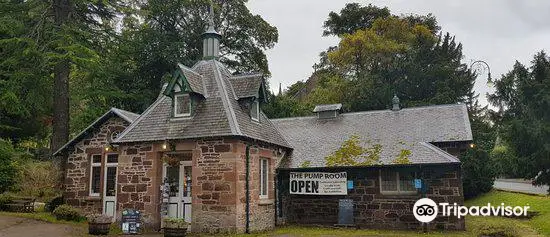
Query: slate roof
218	114
126	115
411	128
196	81
246	85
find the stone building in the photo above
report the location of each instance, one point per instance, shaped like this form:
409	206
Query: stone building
383	194
205	152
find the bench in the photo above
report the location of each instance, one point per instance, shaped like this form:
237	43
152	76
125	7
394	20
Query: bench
24	204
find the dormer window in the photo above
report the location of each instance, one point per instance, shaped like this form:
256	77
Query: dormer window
182	105
255	111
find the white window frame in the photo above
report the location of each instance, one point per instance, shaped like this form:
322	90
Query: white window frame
255	106
399	191
92	165
176	96
264	174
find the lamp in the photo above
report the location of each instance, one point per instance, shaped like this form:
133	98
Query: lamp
480	67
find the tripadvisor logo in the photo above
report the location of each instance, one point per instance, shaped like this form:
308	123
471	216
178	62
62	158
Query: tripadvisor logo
426	210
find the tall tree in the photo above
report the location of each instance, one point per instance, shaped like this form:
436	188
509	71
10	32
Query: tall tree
522	97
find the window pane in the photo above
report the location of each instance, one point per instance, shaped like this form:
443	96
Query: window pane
188	181
112	158
389	180
183	104
173	176
264	176
96	158
111	181
96	177
254	111
406	181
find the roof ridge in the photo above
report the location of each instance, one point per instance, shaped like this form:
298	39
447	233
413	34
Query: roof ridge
120	112
441	152
245	75
188	69
233	124
138	120
377	111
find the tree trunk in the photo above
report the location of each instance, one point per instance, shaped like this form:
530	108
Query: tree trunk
61	10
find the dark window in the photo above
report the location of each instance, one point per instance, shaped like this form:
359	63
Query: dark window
182	105
112	158
95	175
393	182
111	181
96	179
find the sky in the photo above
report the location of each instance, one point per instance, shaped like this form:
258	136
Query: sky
498	32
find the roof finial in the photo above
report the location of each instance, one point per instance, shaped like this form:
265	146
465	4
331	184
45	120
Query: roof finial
211	38
395	102
211	17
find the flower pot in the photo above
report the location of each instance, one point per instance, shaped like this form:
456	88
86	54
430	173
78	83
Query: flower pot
98	228
174	232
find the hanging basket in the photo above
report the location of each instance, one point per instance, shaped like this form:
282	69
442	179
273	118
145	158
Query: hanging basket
170	160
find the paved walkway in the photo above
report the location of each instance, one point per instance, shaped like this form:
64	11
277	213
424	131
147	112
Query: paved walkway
521	186
23	227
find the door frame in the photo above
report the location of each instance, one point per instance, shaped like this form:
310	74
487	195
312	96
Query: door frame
105	198
181	202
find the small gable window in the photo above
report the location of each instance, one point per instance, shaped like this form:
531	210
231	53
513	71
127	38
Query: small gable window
182	105
255	111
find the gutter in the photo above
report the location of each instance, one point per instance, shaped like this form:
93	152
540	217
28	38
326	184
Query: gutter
247	228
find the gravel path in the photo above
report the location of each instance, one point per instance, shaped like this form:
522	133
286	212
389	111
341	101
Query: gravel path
23	227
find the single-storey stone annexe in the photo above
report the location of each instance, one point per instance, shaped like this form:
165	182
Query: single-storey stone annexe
205	152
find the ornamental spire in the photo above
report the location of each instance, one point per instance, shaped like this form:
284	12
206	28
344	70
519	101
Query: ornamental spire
211	38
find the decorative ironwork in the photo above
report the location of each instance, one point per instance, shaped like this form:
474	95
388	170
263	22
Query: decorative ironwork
479	67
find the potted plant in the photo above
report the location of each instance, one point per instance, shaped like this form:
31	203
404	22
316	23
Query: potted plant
99	224
175	227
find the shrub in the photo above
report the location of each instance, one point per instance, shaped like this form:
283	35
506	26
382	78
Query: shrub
176	223
8	166
99	218
54	203
38	179
68	213
477	172
5	199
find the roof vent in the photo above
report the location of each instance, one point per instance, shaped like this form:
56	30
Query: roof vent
327	111
395	102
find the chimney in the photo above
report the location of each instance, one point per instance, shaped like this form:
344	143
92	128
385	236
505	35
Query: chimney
395	102
327	111
211	38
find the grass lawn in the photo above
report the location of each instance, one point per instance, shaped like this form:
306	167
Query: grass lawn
541	204
475	226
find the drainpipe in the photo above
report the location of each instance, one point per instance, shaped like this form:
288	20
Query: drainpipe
247	230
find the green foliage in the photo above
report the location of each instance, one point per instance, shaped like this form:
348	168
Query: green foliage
8	166
381	55
351	153
38	179
5	198
67	213
175	223
305	164
53	203
498	230
403	157
505	162
522	97
478	174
